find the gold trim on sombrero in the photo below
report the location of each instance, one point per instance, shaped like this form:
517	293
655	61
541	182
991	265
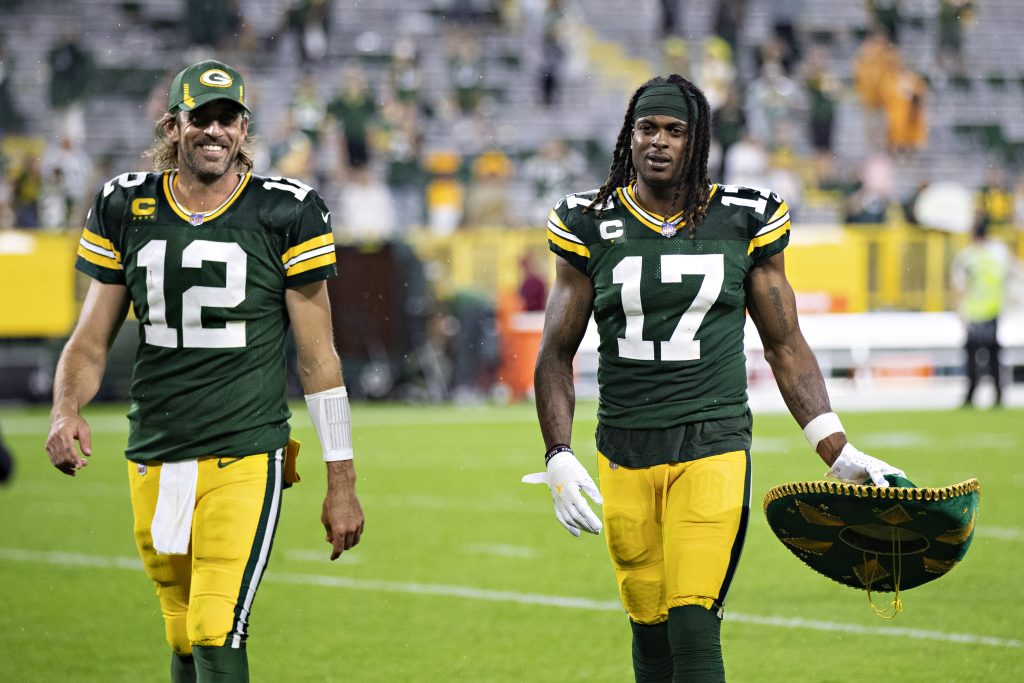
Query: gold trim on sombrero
867	491
894	515
870	572
958	536
809	544
816	516
938	566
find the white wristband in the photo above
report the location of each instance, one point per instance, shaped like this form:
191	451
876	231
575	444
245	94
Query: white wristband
823	426
332	420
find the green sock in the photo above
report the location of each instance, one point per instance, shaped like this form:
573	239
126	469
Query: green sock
652	658
221	664
694	635
183	668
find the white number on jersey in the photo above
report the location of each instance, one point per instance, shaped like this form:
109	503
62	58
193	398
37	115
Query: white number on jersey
297	188
152	257
682	345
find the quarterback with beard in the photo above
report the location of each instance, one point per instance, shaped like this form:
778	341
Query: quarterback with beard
216	264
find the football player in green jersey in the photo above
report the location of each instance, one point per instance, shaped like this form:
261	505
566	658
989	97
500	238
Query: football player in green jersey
216	264
667	263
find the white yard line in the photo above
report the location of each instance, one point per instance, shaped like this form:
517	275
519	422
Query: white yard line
470	593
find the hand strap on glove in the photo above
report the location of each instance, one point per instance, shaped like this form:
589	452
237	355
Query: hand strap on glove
555	450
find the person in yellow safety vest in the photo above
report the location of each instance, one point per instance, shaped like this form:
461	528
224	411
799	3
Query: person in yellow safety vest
981	274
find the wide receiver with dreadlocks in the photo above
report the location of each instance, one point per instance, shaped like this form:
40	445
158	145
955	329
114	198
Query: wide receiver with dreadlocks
668	263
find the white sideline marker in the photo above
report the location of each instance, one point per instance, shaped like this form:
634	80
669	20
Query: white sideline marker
81	560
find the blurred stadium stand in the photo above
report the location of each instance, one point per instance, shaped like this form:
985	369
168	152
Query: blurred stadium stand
608	48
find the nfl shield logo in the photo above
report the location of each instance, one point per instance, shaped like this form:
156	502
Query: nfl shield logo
196	219
142	469
668	229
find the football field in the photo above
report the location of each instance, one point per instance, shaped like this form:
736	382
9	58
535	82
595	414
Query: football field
464	574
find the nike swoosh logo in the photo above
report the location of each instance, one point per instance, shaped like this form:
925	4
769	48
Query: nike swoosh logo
224	462
326	216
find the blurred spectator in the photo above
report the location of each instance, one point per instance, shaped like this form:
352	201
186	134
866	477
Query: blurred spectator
307	109
552	168
70	167
465	70
11	120
876	60
729	19
405	175
981	276
728	126
291	152
71	75
949	52
785	18
905	94
994	198
675	56
772	102
887	15
670	21
445	192
823	92
552	52
487	199
355	111
6	197
216	24
53	203
404	77
365	212
716	74
27	187
309	21
533	290
746	163
869	199
784	179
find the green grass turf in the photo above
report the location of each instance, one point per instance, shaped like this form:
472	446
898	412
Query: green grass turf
439	589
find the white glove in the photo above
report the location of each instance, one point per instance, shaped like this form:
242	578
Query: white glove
855	467
566	476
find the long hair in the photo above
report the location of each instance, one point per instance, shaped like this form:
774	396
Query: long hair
164	153
694	183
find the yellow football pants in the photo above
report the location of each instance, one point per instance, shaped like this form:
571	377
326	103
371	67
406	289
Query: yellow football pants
206	595
675	531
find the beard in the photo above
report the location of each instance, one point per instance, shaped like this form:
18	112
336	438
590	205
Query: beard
206	171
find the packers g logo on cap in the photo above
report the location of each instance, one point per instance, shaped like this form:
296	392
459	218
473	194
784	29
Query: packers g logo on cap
205	82
216	78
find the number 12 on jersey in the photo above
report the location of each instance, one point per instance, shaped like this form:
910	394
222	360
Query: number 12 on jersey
682	345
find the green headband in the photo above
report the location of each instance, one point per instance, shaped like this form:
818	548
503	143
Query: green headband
664	98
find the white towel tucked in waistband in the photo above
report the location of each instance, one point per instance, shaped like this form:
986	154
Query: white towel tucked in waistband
172	521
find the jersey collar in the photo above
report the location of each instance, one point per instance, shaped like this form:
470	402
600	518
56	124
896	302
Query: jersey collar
185	214
654	221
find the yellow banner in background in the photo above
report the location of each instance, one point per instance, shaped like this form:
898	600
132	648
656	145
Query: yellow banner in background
37	284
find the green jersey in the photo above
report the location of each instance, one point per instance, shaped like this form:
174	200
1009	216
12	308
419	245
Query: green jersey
670	314
208	291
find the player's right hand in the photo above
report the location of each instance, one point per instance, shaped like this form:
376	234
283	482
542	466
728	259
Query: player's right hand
61	446
566	477
855	467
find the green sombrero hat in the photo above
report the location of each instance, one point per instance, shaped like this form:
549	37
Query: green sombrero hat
871	538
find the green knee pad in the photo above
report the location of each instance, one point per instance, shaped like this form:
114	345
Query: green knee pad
221	664
694	634
652	657
183	668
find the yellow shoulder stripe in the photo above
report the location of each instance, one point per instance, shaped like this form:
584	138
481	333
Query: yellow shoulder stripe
567	245
310	264
780	212
98	259
768	237
318	241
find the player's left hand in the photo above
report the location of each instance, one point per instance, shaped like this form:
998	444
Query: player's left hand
342	516
855	467
566	477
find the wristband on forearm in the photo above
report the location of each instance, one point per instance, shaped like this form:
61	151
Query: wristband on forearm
555	450
822	427
332	420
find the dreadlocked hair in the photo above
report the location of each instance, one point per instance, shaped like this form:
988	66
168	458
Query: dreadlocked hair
164	153
694	183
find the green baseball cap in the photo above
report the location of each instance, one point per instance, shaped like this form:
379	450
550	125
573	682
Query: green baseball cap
205	82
